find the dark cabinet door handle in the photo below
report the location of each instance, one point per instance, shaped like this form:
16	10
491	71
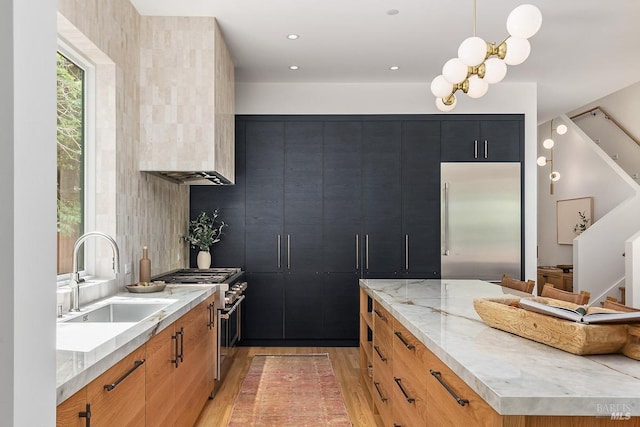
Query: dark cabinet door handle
475	149
404	392
113	385
279	250
453	394
377	312
86	415
176	350
377	349
377	386
357	251
403	341
486	149
211	322
181	344
406	252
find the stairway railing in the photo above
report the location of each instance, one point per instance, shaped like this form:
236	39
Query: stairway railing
610	118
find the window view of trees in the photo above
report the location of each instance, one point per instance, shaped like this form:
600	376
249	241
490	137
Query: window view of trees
70	140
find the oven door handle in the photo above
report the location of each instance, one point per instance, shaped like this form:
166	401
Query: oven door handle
224	313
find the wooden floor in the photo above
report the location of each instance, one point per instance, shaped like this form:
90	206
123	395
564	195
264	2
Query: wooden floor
345	361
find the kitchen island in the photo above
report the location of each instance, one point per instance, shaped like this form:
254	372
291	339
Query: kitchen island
514	376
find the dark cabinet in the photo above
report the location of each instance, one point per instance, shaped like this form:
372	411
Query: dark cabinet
491	140
381	196
342	196
321	201
421	199
264	142
263	308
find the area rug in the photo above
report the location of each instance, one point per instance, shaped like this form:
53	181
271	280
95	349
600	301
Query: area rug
290	390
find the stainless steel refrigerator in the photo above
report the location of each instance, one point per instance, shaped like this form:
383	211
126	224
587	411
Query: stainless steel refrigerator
481	224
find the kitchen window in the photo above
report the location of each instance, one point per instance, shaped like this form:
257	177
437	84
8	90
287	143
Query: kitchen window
75	90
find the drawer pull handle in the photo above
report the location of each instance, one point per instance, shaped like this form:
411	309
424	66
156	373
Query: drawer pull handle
181	332
377	386
406	396
453	394
404	342
136	365
377	312
377	349
176	361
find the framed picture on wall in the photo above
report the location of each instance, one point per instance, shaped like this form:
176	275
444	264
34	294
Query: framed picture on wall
573	217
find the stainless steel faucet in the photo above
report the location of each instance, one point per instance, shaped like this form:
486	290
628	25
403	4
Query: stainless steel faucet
74	282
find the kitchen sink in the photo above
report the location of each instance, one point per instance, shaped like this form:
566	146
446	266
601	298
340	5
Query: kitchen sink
119	312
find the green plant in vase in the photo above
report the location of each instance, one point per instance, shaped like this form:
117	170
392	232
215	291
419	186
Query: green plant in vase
204	232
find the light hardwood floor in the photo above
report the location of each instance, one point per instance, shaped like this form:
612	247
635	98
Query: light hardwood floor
345	361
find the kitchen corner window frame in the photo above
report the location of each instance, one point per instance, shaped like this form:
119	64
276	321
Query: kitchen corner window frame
89	147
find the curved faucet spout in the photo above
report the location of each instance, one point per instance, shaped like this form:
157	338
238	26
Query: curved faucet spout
74	282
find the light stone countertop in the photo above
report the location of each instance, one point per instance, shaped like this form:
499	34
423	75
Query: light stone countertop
516	376
86	350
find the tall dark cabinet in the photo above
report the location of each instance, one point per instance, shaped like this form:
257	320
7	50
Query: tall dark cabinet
321	201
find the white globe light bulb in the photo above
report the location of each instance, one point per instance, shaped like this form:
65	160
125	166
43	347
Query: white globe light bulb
562	129
518	51
477	87
524	21
548	143
554	176
455	71
444	107
472	51
440	87
542	160
495	70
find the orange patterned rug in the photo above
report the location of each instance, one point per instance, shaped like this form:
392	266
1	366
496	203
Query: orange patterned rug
290	390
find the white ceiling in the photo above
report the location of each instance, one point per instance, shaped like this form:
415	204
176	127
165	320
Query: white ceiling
585	49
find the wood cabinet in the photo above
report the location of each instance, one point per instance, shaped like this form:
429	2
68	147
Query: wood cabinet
73	411
485	139
151	385
556	277
115	398
180	368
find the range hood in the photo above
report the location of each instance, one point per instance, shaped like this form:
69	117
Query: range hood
193	177
187	104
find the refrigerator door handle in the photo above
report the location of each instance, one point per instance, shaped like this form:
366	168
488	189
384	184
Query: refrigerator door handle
445	220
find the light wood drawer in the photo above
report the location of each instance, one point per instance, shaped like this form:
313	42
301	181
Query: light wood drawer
409	392
407	347
382	398
458	406
381	316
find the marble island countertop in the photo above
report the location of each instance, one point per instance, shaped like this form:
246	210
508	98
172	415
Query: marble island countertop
86	350
514	375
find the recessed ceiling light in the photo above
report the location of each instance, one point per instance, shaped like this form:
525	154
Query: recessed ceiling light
293	36
394	68
393	12
293	67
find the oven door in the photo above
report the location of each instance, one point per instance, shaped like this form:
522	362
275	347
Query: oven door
228	335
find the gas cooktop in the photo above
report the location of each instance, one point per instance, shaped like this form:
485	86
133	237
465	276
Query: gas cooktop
198	276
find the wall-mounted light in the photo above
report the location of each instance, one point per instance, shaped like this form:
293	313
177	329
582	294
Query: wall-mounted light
549	143
480	63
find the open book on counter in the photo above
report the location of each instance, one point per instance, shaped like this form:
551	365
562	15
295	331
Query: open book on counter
579	314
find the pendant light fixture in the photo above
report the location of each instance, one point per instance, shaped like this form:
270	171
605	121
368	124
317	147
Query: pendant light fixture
480	63
549	143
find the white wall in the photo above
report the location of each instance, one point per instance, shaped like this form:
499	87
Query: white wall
409	98
585	171
28	215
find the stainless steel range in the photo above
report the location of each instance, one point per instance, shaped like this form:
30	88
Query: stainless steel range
229	310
